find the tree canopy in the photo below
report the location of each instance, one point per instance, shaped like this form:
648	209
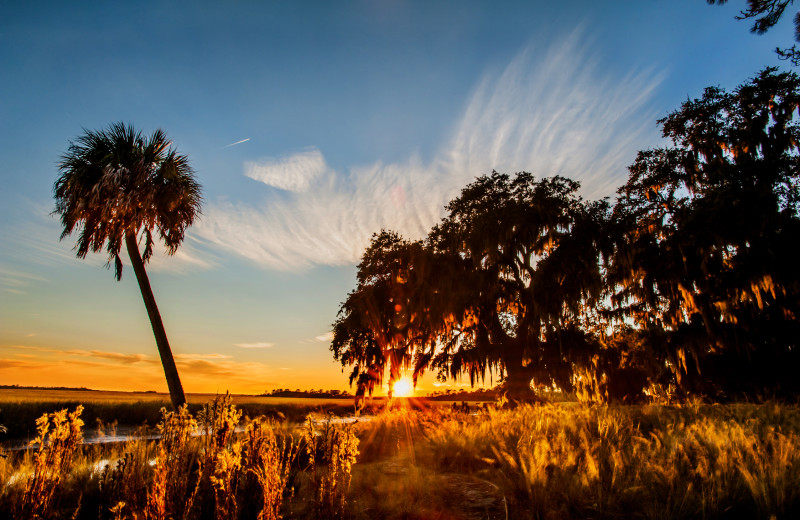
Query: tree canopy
765	14
709	238
689	283
116	181
501	286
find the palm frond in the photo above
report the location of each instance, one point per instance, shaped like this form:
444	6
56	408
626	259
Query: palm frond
116	181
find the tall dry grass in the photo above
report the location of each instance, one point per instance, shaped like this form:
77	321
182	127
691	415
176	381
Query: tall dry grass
544	461
199	468
616	462
332	451
267	460
59	435
19	412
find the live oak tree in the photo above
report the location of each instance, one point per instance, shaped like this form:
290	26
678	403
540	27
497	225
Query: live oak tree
118	186
374	328
697	286
708	235
503	284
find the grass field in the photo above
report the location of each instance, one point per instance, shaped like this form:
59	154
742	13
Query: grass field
19	408
544	461
103	396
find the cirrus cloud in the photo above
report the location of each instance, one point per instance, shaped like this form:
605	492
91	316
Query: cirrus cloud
293	173
254	345
550	112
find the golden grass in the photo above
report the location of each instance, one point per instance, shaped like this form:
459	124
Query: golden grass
20	408
17	395
332	450
58	438
651	462
267	459
23	395
544	461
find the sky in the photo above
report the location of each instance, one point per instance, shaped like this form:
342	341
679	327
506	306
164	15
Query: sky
311	126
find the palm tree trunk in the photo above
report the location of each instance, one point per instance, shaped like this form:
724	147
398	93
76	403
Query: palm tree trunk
170	370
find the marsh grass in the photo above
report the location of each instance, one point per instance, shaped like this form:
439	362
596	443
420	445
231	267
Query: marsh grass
19	417
613	462
543	461
267	462
332	451
182	475
59	435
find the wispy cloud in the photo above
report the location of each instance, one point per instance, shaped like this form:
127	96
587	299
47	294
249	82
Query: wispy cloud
23	364
17	282
16	278
187	259
328	336
254	345
237	142
126	359
248	376
118	357
38	241
293	173
558	115
550	111
191	357
114	370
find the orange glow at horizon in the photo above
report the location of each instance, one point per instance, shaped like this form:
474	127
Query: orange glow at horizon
133	370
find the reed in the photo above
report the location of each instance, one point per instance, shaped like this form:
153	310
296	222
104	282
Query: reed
332	452
59	434
267	459
19	413
612	462
169	492
542	461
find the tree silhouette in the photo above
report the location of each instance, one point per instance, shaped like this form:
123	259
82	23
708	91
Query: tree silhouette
767	13
118	186
501	284
708	234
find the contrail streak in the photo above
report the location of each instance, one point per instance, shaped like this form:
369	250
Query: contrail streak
237	142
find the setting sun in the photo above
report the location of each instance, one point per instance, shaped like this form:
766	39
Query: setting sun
402	387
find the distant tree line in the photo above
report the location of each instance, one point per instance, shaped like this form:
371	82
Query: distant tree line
319	394
451	394
24	387
687	284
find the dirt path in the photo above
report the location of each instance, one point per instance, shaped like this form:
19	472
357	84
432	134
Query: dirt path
398	489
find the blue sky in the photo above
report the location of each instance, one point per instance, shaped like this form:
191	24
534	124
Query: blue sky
311	125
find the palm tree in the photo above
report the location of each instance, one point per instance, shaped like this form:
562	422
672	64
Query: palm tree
117	185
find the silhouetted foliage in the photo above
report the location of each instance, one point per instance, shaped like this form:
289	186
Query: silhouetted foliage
504	285
117	185
708	240
316	394
451	394
697	292
767	13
